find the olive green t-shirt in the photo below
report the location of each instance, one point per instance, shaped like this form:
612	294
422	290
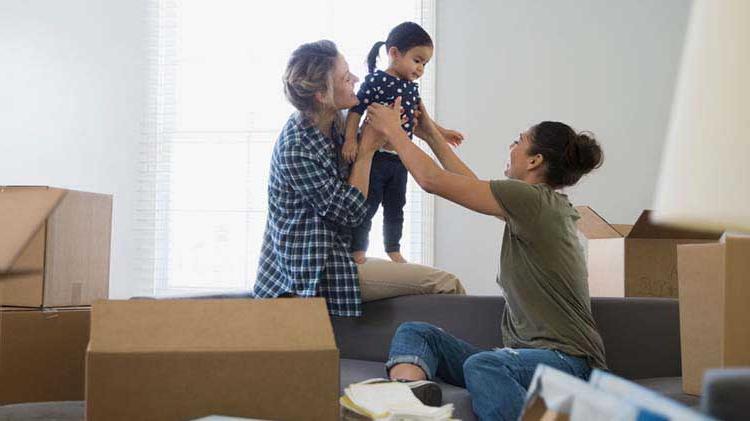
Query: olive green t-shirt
543	274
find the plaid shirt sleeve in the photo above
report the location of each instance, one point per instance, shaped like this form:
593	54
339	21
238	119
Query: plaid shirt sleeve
314	177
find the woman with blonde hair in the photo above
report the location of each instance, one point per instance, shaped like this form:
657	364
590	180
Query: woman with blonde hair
315	198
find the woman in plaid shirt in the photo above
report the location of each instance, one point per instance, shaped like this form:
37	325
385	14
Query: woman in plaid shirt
315	198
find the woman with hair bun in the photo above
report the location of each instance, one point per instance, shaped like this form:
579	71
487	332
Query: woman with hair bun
547	317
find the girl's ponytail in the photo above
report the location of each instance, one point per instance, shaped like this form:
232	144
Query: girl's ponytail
372	58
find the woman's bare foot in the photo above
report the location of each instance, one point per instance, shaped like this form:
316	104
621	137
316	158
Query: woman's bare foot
359	257
405	371
397	257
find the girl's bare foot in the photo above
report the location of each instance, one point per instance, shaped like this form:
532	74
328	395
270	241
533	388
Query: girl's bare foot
359	257
397	257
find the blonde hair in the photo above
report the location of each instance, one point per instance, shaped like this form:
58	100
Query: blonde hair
308	72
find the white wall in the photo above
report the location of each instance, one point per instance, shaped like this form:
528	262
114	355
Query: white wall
604	66
73	96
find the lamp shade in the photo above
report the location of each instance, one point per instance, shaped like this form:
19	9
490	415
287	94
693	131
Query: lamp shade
704	181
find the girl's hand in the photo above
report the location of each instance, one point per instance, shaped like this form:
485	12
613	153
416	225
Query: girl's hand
349	150
384	119
454	138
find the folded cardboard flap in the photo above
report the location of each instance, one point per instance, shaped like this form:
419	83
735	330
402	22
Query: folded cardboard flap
206	325
593	226
23	211
623	229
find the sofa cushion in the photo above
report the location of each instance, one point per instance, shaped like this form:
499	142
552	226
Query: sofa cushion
353	371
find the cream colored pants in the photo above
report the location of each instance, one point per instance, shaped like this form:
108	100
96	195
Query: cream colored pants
380	279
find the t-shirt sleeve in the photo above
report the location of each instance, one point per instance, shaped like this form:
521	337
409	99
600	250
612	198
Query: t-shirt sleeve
365	95
521	201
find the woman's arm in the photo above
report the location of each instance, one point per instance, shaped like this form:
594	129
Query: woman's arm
428	130
445	154
313	176
453	137
349	150
458	184
359	176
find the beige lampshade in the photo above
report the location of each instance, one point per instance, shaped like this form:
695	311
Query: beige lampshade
705	173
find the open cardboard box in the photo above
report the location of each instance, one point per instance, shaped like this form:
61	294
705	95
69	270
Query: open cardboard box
633	261
714	307
185	359
54	247
42	354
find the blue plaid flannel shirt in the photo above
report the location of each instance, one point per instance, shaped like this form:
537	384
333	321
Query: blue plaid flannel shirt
311	210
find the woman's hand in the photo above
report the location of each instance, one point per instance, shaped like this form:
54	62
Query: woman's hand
425	127
371	140
384	119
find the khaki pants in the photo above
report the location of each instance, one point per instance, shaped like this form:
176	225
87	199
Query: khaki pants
380	279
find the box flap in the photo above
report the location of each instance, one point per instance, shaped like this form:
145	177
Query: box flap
645	227
593	226
623	229
23	210
286	324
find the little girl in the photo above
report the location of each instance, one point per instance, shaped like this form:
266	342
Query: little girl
409	50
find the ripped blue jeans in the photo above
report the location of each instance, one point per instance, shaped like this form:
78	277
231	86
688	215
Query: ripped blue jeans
497	380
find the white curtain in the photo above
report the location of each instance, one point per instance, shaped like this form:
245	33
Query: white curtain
216	107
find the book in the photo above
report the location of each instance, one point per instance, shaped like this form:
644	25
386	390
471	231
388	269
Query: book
392	401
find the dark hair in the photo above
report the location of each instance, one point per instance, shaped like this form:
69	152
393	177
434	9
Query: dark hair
404	37
567	155
309	71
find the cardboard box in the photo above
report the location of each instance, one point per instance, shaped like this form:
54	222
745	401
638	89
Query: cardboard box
42	354
183	359
55	246
633	261
714	310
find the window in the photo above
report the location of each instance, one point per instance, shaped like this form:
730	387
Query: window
216	108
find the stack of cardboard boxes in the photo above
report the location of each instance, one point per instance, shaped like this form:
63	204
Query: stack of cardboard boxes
54	262
62	340
708	272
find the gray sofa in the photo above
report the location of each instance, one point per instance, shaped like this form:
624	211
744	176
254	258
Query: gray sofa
641	337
